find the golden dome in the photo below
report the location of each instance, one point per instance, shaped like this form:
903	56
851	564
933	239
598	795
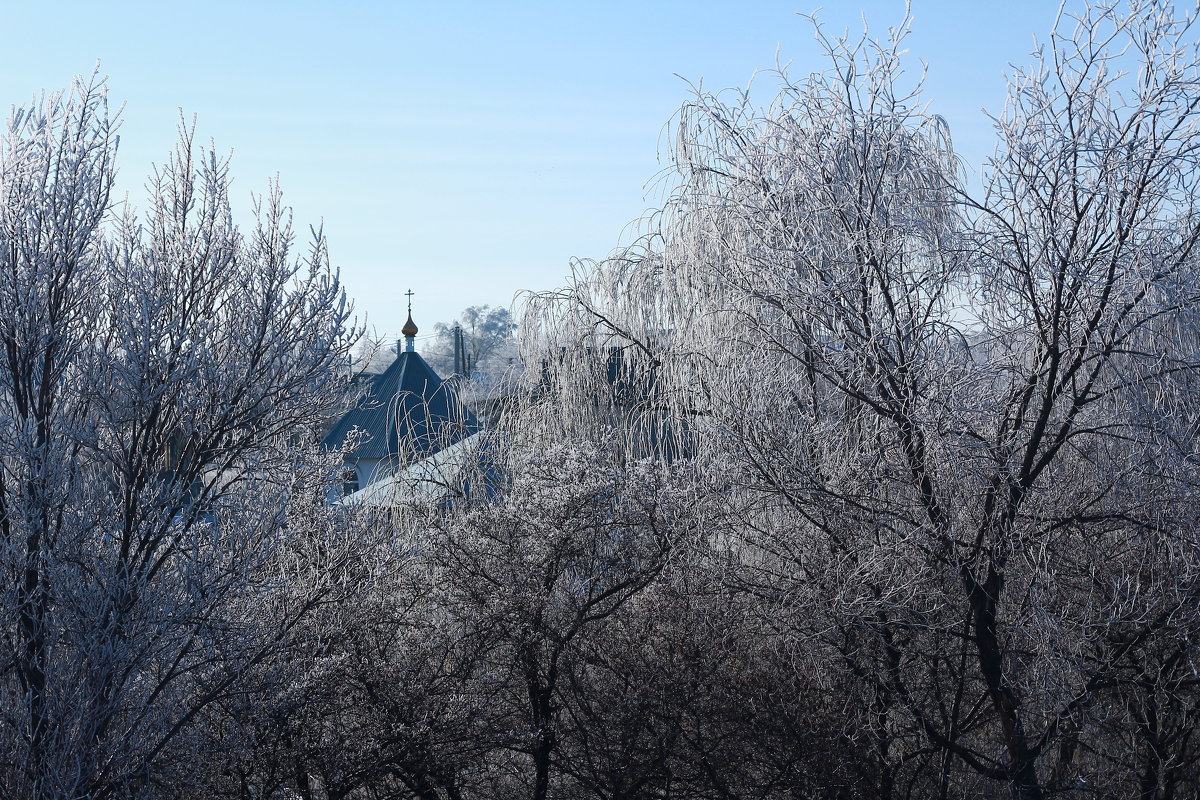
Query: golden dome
410	328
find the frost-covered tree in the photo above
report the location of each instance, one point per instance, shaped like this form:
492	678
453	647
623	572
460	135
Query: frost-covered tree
162	380
485	341
957	432
562	547
845	482
373	353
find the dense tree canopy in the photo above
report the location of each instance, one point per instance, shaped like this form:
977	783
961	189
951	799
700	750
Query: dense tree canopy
956	431
845	481
161	382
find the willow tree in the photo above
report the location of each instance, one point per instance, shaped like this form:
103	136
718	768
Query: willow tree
161	380
955	432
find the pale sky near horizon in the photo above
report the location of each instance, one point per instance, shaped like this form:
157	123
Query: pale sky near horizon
467	150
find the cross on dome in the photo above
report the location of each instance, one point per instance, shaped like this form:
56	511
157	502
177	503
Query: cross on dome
410	328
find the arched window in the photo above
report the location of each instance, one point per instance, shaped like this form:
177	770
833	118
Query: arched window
349	481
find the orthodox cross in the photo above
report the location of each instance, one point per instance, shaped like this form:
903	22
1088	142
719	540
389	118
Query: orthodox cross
409	294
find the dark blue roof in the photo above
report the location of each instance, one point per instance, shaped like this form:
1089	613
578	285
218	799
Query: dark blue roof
407	409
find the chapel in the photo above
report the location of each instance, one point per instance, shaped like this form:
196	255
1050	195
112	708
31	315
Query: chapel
407	428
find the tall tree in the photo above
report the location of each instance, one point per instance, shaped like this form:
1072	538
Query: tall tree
565	545
958	431
161	383
479	336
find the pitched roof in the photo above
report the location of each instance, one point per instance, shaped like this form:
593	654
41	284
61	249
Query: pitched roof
436	478
407	409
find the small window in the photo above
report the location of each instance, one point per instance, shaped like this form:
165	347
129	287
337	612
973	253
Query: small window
349	481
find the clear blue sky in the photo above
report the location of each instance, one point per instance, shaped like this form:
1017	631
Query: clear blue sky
467	150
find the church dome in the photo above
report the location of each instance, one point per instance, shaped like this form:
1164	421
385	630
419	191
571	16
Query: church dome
410	328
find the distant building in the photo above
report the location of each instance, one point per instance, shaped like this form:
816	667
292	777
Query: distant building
406	416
